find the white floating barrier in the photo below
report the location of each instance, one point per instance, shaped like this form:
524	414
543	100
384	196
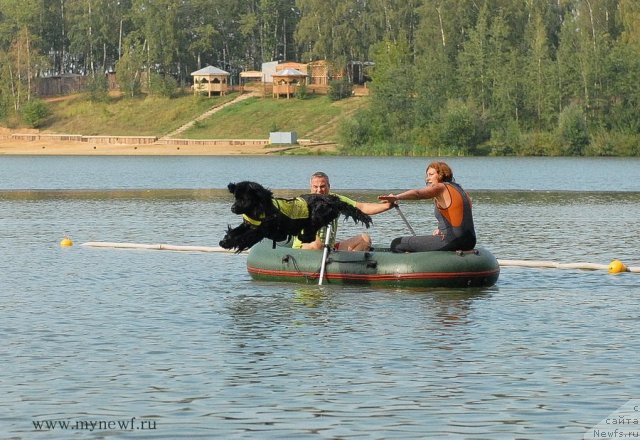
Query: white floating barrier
555	265
502	263
158	247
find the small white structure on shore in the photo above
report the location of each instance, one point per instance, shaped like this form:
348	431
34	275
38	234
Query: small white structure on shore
283	137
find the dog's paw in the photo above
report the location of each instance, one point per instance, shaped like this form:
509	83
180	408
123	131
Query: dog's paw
308	235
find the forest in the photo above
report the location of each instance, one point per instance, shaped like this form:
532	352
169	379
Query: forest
466	77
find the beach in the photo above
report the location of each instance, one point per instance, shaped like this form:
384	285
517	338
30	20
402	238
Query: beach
48	147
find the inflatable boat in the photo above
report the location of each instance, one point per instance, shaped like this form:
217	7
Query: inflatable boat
378	267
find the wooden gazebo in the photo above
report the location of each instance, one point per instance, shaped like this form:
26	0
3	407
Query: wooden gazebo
211	80
301	67
287	81
320	73
251	80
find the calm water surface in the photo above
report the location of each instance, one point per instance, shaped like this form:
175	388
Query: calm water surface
475	173
188	345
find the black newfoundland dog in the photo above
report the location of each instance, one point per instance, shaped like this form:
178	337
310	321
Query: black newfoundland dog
280	219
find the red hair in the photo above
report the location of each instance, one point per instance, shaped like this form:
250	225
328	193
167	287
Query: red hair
443	170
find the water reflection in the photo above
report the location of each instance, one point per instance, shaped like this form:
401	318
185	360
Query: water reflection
452	308
349	309
311	297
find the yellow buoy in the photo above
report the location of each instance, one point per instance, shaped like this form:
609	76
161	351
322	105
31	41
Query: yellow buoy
617	266
66	241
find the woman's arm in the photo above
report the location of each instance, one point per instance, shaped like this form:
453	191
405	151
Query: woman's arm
428	192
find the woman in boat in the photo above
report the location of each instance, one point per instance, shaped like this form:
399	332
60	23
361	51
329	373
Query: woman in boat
452	210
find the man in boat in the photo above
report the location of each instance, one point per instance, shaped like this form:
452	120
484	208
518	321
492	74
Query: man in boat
362	242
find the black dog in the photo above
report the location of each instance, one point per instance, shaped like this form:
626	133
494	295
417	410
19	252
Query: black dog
280	219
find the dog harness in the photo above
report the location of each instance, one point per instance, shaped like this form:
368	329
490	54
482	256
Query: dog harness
293	208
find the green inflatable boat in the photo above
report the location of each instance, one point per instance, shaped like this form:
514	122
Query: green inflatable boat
379	267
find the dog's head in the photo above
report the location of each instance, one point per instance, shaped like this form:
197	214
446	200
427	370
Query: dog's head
250	198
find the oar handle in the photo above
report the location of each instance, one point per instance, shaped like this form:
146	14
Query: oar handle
404	219
325	253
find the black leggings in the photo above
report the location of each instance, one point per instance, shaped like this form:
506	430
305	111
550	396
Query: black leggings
422	243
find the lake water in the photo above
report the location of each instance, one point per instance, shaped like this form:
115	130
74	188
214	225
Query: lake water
191	347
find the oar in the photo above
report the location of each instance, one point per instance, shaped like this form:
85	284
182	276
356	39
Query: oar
406	222
325	253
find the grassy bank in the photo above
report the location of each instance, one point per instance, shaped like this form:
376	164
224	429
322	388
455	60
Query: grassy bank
317	117
118	116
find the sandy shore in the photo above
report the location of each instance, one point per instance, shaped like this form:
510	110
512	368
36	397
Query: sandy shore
10	146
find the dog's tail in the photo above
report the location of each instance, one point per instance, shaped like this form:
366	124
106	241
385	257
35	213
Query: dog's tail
354	213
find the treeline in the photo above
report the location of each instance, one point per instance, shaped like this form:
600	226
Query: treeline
534	77
557	77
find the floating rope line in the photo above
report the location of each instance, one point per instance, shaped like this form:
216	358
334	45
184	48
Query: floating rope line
614	267
158	247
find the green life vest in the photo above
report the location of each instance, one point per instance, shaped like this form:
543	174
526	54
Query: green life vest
293	208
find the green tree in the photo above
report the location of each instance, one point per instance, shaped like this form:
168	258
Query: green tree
434	86
461	129
623	71
53	31
314	33
111	24
475	62
540	73
20	53
573	131
504	79
395	20
629	17
23	62
445	23
35	112
570	83
130	67
340	89
97	88
435	68
82	38
593	43
163	85
623	113
201	31
156	24
393	88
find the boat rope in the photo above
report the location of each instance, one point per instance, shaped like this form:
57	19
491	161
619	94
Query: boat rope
291	258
